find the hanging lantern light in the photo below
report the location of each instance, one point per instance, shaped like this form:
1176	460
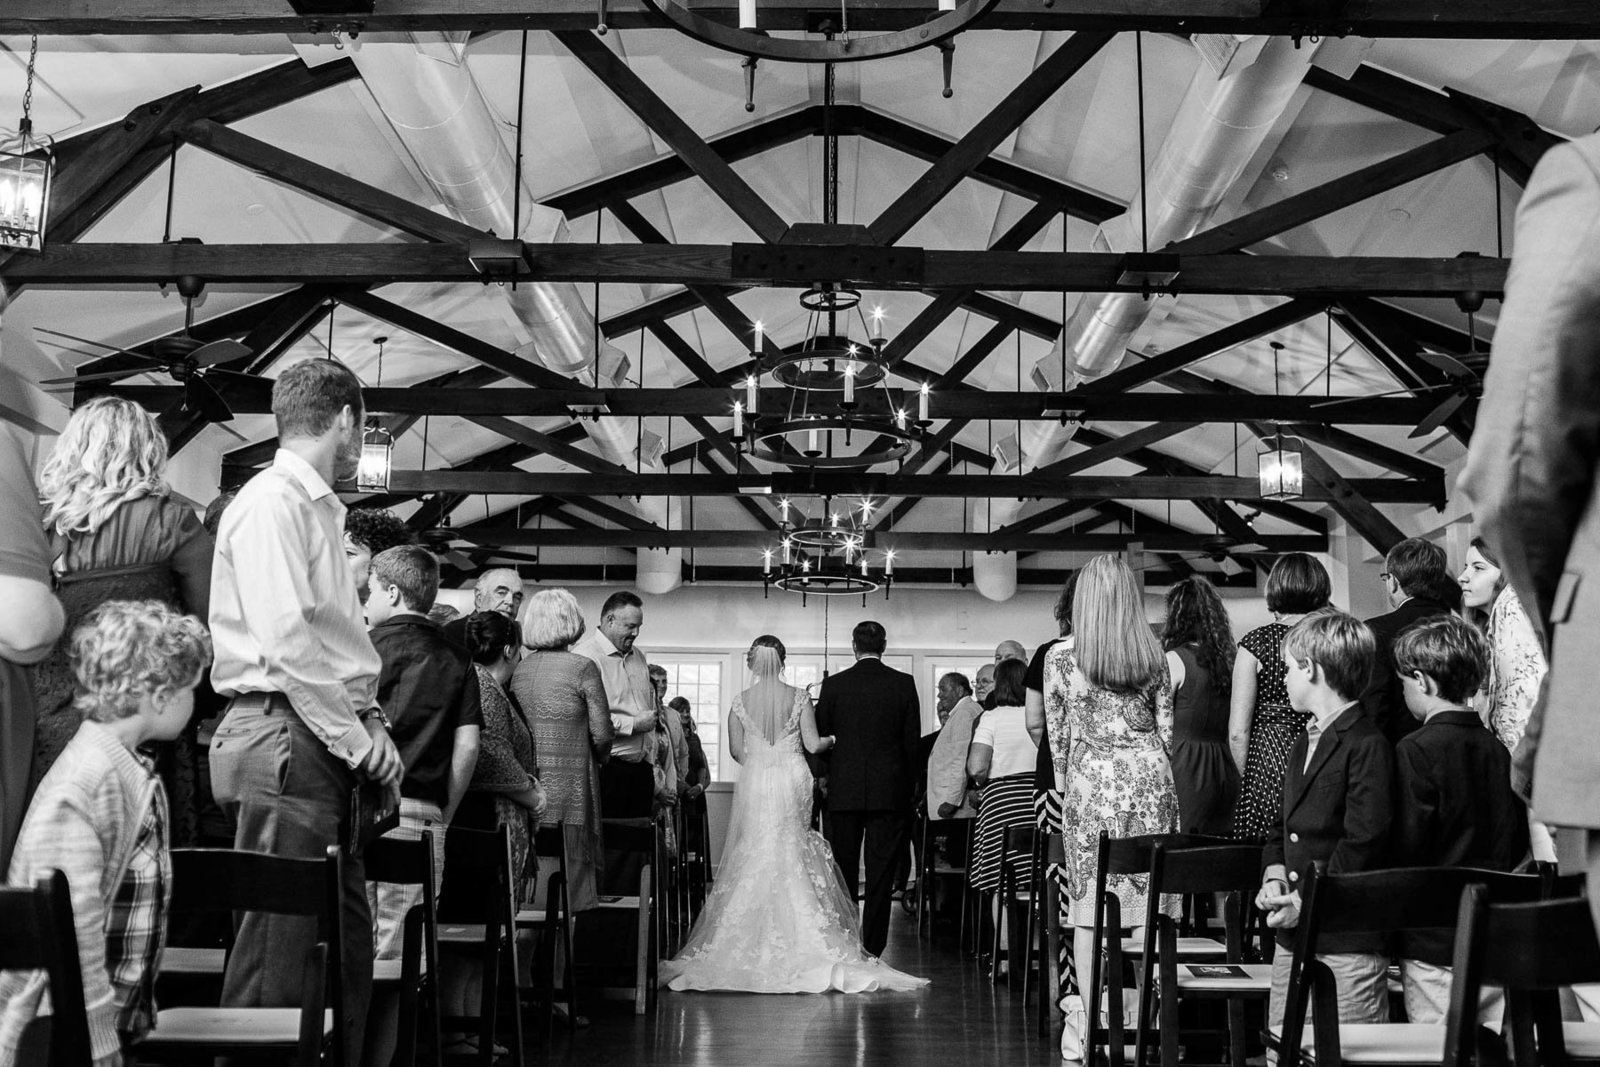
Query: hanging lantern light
372	472
1279	465
26	163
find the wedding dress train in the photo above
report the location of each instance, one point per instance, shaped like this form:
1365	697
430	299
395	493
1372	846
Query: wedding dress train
779	918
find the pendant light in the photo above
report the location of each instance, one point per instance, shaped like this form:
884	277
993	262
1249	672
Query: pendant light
26	164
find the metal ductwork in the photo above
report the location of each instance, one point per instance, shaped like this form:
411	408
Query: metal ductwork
423	86
1222	122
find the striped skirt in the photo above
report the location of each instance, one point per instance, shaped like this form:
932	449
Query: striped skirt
1005	802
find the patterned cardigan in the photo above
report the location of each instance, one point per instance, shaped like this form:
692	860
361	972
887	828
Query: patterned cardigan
84	821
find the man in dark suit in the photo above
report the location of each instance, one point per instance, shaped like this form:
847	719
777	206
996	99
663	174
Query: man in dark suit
1531	473
873	714
1416	576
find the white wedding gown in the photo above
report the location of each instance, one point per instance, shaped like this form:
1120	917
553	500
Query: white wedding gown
779	918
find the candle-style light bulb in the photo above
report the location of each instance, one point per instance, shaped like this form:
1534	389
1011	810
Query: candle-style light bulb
747	14
863	566
750	394
877	316
900	418
888	562
759	328
783	506
811	443
738	419
922	403
766	561
850	379
786	551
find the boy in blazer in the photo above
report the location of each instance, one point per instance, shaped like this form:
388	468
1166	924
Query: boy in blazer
1454	804
876	720
1337	807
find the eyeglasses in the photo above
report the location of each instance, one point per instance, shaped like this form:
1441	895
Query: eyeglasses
1385	575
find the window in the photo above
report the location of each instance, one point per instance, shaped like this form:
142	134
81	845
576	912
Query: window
699	681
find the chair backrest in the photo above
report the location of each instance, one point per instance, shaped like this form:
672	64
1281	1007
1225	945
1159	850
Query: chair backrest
227	879
39	935
1019	838
1405	898
1131	855
1205	869
1055	850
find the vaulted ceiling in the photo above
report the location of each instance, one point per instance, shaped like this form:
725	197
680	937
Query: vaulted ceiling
1408	149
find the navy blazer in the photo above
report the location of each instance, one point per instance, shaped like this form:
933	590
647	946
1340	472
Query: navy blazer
1454	808
1338	811
1384	701
875	718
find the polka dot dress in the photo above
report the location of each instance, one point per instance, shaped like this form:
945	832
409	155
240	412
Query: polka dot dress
1273	731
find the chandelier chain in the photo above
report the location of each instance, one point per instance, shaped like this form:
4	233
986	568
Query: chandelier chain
26	126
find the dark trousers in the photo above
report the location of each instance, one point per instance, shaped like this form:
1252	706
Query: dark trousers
290	797
627	791
885	834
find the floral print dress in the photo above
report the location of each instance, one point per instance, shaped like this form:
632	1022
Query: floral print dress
1516	668
1112	754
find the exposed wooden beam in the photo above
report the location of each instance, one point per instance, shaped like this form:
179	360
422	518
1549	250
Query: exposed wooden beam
721	265
1535	19
1038	86
1376	328
545	443
632	524
1150	369
1348	499
1116	448
1133	487
1364	448
1157	540
1045	516
1331	196
325	183
953	404
750	507
664	121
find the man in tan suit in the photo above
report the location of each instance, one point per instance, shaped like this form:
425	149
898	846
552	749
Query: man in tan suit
1532	468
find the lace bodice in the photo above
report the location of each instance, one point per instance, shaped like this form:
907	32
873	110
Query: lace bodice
785	739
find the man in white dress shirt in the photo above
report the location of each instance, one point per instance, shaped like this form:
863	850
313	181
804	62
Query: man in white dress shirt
627	782
293	657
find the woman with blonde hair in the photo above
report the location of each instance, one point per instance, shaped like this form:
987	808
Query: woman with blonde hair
564	700
117	534
1108	714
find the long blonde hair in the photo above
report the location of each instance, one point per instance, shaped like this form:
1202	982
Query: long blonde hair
111	451
1115	647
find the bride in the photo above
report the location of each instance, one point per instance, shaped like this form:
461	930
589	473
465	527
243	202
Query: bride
779	918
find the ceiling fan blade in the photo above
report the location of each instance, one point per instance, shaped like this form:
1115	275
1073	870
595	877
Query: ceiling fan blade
205	401
1445	361
224	351
1418	391
1437	416
1253	546
87	341
59	346
521	557
102	376
457	559
219	377
1231	566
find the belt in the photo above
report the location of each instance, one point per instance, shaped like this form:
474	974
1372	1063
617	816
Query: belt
265	703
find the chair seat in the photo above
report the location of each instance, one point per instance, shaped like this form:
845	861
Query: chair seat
461	933
1583	1040
1381	1042
229	1026
619	904
1258	979
387	972
198	961
1187	946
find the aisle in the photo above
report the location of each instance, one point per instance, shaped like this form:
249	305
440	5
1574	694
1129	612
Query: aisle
961	1018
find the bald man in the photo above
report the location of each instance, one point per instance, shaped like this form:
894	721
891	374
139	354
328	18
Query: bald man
1009	650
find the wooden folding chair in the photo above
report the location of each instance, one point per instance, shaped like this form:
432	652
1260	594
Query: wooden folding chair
644	836
1234	870
228	880
1049	894
494	939
553	927
1531	950
933	867
416	973
1015	896
1376	902
40	936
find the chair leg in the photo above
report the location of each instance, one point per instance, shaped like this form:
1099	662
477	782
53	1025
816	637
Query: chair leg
641	962
1236	1032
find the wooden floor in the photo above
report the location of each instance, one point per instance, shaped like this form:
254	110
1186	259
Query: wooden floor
960	1019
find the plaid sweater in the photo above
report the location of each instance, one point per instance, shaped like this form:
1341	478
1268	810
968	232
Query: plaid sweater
93	810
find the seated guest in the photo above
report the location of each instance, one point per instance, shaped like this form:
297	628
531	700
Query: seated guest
100	816
429	691
1337	807
949	796
1454	804
1001	761
1416	575
565	701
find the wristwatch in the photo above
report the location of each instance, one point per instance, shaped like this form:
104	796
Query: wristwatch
376	712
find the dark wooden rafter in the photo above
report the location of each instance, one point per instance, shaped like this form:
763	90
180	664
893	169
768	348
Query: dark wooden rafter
985	136
1383	334
1449	19
506	363
712	463
1115	448
619	78
610	513
1350	502
746	265
547	444
1057	512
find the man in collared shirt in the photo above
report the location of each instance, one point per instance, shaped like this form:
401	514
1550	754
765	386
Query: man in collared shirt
292	654
627	782
499	589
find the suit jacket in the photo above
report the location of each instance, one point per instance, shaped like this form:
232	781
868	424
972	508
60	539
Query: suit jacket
1338	811
873	713
1454	808
947	761
1530	473
1384	701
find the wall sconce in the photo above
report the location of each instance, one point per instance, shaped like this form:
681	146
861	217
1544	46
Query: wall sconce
372	472
1279	465
26	164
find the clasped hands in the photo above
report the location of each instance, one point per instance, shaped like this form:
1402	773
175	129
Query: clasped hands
1281	904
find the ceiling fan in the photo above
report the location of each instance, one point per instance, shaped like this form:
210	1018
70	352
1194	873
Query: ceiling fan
452	549
190	362
1219	549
